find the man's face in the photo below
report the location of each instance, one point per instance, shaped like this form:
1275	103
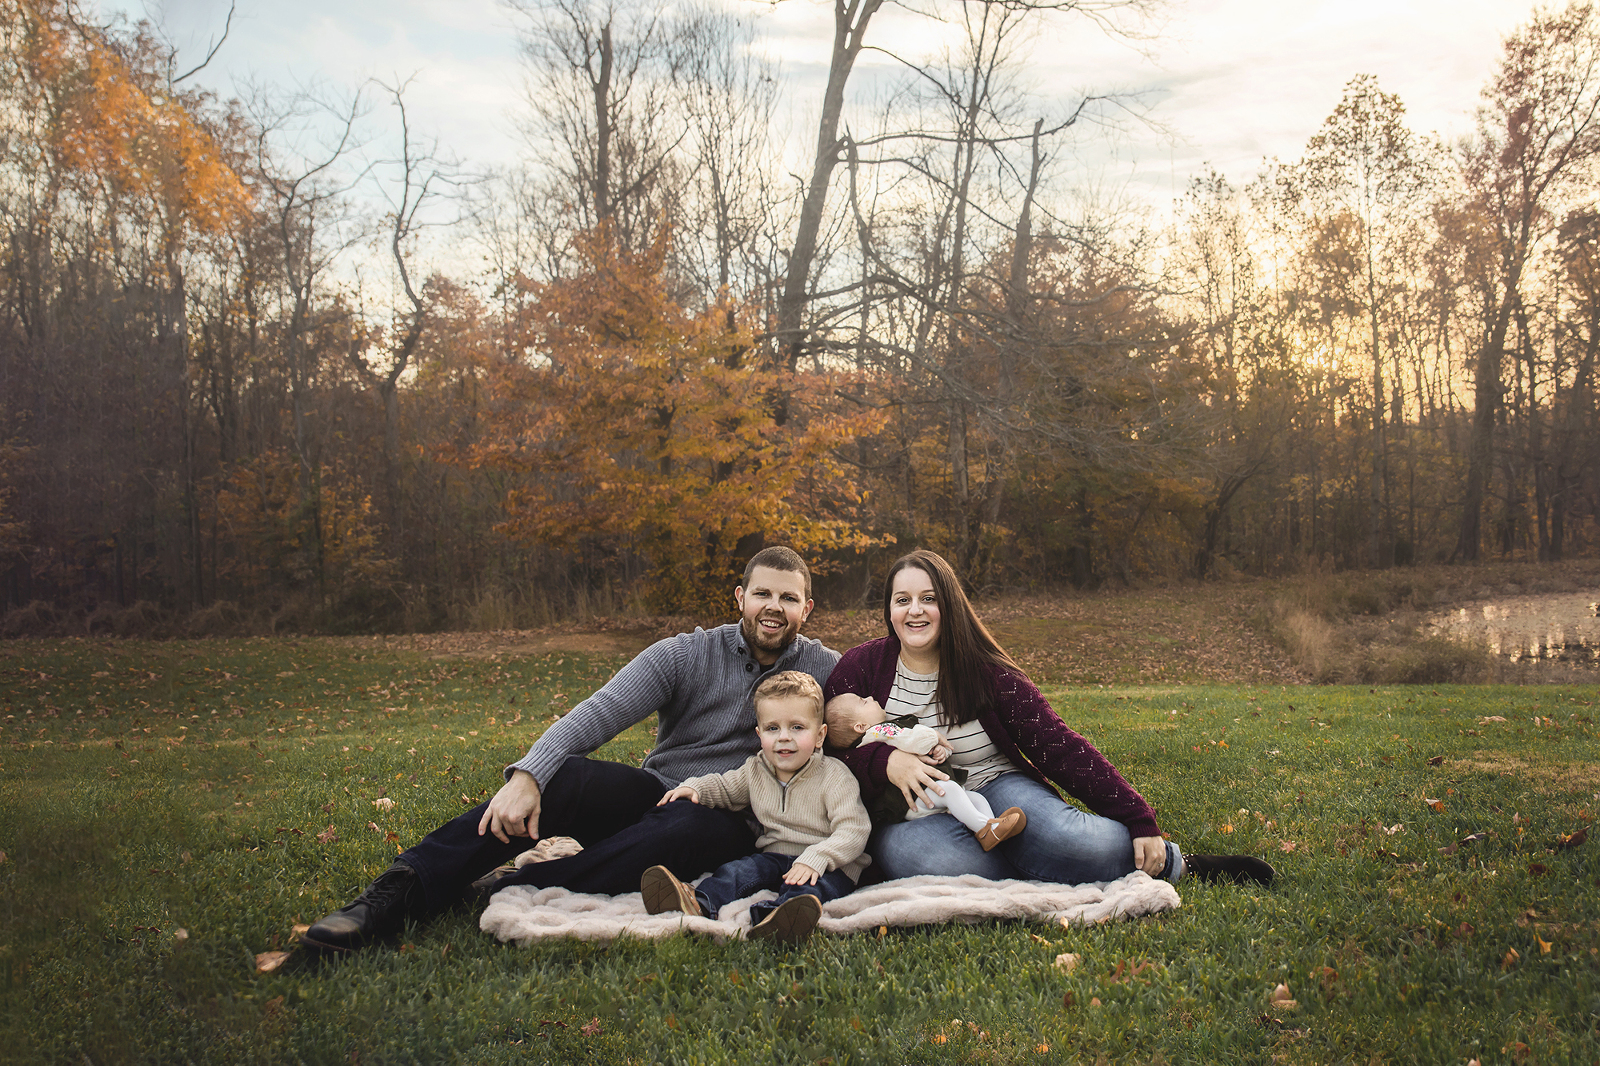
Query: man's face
771	610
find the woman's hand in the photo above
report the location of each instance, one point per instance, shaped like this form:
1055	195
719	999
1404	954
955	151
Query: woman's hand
913	777
1150	855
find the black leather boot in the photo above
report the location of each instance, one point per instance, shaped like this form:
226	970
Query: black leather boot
381	911
1235	868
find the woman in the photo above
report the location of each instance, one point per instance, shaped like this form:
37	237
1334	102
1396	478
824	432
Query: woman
941	664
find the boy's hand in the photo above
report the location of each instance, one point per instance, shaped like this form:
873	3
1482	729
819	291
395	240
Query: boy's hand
679	793
801	874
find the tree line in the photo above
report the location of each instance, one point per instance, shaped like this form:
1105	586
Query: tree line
231	391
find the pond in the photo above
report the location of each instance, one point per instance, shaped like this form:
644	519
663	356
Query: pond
1562	627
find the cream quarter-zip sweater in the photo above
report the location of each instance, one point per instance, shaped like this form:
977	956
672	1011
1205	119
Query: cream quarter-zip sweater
816	817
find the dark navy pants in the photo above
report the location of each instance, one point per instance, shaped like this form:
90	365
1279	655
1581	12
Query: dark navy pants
765	869
608	808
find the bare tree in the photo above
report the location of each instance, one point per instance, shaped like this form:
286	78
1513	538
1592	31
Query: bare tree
1539	131
599	109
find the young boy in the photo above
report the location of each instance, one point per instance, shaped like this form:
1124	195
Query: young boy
861	720
813	826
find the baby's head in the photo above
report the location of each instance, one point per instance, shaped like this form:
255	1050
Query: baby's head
849	716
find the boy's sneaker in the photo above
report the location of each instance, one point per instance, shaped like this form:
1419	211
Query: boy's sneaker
663	892
790	922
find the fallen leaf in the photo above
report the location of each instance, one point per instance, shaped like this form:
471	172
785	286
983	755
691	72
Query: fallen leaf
1094	1001
1449	849
1544	945
1538	869
672	1022
1490	718
1287	845
268	961
1510	959
2	857
592	1029
297	931
383	803
1037	939
1397	827
1436	760
1570	840
1228	828
1067	962
939	1038
390	838
1282	999
327	808
1436	804
180	935
1068	999
327	836
1042	1049
374	827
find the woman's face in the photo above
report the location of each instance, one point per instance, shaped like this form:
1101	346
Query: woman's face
914	611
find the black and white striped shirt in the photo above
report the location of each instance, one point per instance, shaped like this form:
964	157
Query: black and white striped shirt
971	748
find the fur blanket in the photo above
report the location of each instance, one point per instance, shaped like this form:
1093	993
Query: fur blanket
525	914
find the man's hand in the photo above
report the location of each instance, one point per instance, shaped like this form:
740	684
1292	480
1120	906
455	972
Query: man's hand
514	811
801	874
913	777
1150	855
679	793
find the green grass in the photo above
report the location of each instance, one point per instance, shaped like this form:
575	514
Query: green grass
151	787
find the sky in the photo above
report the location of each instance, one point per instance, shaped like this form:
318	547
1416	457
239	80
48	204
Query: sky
1227	83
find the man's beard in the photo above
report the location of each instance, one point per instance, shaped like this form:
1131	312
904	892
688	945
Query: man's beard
756	637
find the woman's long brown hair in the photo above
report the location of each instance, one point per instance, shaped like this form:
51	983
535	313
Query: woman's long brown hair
966	646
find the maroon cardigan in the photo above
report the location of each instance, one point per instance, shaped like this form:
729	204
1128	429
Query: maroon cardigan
1022	725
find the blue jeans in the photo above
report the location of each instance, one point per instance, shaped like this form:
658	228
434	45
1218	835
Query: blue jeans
1061	843
765	869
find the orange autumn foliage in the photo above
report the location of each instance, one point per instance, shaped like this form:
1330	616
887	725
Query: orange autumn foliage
111	120
642	426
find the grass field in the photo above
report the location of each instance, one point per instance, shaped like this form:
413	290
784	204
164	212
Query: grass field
168	811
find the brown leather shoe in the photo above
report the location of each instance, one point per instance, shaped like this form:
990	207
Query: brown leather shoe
663	892
790	922
1003	826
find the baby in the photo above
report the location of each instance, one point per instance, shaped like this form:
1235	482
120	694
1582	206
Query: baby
856	720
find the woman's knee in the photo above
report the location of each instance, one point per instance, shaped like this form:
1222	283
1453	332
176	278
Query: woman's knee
937	844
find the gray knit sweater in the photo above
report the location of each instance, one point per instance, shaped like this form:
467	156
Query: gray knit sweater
699	685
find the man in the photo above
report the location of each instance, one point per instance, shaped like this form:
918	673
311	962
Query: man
699	684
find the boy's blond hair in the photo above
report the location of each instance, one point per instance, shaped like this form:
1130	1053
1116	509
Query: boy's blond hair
791	683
